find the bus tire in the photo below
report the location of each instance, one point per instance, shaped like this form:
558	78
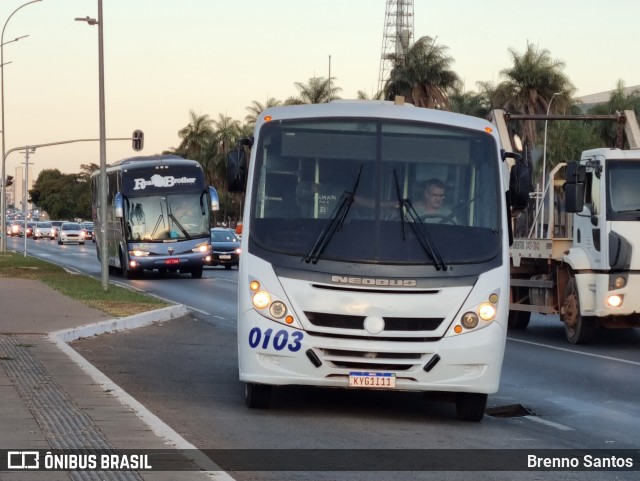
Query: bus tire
470	406
257	396
124	268
196	272
579	329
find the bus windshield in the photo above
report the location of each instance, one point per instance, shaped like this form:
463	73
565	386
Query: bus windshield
162	218
392	175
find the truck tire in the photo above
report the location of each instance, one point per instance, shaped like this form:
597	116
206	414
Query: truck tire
518	320
470	406
579	329
257	395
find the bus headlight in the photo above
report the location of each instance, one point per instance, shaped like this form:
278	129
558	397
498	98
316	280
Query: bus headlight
203	248
487	311
619	282
261	299
278	309
614	300
469	320
138	253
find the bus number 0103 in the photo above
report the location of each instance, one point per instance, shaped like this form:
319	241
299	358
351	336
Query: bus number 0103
279	340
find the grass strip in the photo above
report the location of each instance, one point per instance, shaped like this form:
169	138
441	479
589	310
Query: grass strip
116	301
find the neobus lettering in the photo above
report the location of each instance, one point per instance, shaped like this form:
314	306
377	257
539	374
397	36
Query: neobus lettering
365	281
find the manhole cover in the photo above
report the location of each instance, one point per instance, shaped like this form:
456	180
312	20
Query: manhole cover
509	411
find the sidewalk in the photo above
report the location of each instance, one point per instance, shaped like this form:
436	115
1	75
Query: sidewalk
51	398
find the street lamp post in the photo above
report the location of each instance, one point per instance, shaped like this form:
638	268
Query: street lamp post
102	208
544	165
3	201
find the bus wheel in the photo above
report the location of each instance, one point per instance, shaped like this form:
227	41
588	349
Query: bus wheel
257	395
124	268
196	273
470	406
579	329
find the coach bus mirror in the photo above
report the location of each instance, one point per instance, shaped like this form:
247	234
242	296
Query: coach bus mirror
118	202
236	170
215	201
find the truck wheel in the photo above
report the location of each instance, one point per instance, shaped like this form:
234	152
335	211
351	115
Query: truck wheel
257	395
579	329
470	406
518	319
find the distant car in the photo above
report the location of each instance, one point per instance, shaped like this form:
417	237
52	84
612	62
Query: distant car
71	232
29	229
42	229
225	247
55	228
14	228
88	231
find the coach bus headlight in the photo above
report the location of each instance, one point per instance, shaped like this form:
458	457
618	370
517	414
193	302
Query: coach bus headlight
138	253
203	248
469	320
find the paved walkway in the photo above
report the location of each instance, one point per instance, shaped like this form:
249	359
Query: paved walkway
51	398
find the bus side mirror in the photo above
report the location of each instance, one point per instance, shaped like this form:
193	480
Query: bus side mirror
236	170
118	205
215	201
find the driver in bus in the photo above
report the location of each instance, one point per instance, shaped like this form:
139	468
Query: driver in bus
430	207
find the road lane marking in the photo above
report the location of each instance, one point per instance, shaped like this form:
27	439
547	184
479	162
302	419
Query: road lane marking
600	356
561	427
198	310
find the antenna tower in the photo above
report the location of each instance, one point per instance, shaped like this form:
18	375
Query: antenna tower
397	37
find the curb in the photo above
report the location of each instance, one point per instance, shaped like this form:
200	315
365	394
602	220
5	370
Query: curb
157	426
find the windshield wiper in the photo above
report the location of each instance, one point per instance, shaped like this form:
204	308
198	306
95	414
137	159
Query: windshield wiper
337	218
419	228
175	221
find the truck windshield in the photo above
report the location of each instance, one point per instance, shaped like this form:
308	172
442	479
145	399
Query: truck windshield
623	198
449	175
166	217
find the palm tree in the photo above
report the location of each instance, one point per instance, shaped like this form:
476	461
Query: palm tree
423	75
196	136
317	91
529	86
256	109
471	103
619	101
362	95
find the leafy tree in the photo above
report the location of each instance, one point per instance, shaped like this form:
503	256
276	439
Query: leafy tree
317	91
471	103
423	75
62	196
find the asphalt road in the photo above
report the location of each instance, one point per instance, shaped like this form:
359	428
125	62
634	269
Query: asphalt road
555	395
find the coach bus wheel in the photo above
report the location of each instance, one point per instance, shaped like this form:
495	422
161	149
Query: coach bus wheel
196	273
124	268
579	329
470	406
257	395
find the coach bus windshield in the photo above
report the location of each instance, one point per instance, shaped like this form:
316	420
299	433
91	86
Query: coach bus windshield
444	178
166	217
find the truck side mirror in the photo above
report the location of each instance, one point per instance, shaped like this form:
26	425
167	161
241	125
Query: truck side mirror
236	171
519	186
574	197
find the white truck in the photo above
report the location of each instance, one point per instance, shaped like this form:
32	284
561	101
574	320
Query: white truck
584	262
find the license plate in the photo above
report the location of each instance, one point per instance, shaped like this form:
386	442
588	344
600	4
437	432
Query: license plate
372	379
225	256
172	261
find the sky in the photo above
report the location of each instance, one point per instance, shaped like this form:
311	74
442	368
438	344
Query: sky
165	58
